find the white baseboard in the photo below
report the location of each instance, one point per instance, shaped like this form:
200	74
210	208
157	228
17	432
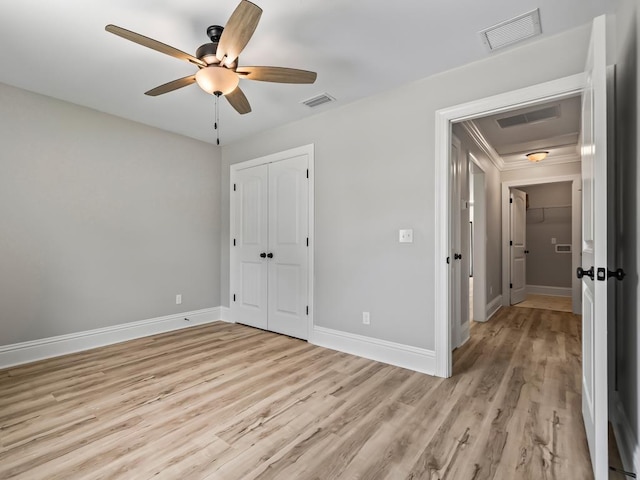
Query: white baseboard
405	356
553	291
225	315
26	352
625	438
493	306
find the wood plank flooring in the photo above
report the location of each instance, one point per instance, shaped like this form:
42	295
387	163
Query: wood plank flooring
226	401
547	302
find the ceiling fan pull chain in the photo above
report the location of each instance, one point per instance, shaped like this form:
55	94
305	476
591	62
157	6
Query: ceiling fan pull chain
217	119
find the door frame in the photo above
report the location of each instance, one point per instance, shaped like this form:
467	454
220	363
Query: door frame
272	158
535	94
576	224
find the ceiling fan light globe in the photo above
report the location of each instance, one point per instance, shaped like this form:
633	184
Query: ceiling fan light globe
217	79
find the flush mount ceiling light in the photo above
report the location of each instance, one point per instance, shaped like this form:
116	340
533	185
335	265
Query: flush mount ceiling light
537	156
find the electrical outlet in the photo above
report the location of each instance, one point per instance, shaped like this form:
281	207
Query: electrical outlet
178	299
366	319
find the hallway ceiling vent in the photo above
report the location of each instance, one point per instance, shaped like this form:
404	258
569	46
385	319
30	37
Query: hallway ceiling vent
535	116
318	100
512	31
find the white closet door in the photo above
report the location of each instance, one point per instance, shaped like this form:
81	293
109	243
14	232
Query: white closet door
251	241
288	234
518	212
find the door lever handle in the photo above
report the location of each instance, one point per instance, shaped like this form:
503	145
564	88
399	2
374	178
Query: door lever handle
580	272
617	274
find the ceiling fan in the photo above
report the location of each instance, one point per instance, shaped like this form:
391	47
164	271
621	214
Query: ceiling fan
217	61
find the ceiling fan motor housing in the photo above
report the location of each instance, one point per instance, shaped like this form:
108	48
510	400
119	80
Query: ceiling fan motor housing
207	53
214	32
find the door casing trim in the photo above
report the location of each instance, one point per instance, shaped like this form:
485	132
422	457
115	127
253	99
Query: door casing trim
555	89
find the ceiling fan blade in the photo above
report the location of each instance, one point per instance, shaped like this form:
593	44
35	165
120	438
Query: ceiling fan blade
153	44
238	31
171	86
277	74
239	101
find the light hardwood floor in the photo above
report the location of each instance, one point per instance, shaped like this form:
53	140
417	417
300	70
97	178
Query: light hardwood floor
230	402
547	302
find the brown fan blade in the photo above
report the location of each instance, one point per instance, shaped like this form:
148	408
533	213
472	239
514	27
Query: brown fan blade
239	101
277	74
171	86
153	44
238	31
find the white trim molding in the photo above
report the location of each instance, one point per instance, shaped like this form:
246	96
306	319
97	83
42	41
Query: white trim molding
31	351
625	438
493	306
405	356
551	291
535	94
225	315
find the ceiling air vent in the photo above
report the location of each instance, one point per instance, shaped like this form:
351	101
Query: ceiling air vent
318	100
534	116
512	31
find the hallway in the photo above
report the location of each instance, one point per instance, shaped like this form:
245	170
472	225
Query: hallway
525	364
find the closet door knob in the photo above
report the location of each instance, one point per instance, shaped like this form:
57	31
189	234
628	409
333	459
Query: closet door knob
270	255
263	255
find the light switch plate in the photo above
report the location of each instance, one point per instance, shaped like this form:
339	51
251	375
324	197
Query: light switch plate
406	236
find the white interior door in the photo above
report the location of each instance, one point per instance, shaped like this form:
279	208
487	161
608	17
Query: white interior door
518	221
251	242
455	271
270	234
594	251
288	237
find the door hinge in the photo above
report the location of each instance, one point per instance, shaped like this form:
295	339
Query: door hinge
511	285
234	297
307	241
234	242
511	200
307	173
307	309
511	242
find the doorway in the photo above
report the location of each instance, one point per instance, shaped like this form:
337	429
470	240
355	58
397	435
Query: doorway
558	211
536	95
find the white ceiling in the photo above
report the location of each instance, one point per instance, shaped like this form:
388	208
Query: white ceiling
558	135
359	48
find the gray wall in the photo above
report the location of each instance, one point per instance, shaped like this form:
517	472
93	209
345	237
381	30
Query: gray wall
628	179
375	174
104	220
544	266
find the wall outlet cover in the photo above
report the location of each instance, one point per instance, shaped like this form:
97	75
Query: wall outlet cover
405	236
